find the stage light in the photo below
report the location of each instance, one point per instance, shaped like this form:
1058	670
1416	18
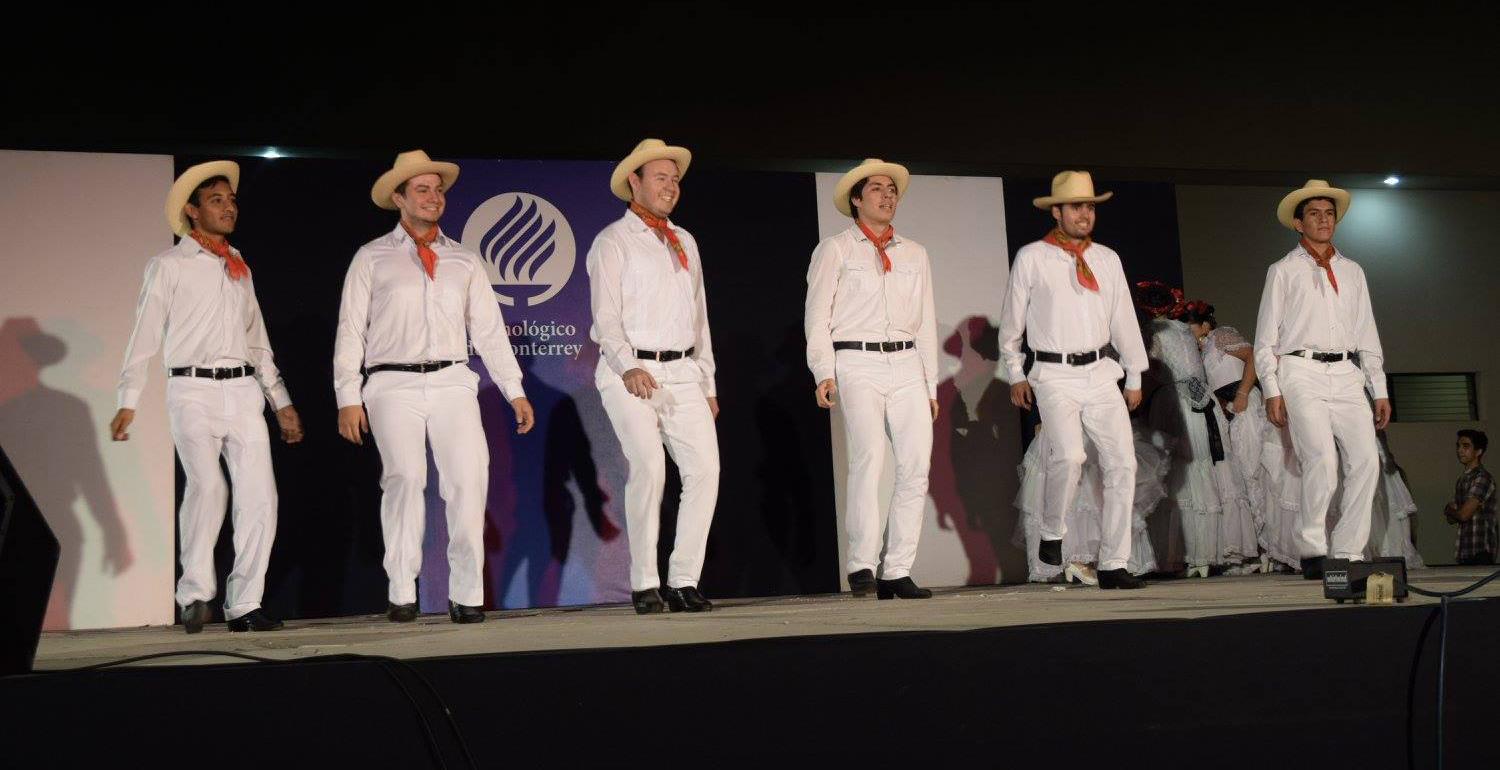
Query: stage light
272	154
1392	180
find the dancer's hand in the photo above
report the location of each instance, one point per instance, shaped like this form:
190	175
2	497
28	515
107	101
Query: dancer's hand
1241	402
1382	413
290	424
1132	398
119	427
639	382
931	402
1020	394
525	415
1276	411
827	389
713	406
352	424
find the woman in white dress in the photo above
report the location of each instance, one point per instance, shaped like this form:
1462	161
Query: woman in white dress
1181	406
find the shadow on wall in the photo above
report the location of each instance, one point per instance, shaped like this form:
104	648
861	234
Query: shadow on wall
53	439
972	484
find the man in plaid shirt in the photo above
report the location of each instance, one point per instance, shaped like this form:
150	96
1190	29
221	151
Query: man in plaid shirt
1473	505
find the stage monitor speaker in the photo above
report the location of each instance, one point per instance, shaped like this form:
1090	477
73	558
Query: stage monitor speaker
28	563
1344	580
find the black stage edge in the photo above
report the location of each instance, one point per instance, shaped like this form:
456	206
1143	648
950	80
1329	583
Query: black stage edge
1308	688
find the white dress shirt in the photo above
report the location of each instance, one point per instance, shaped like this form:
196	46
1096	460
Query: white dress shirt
1058	315
1299	310
392	313
196	315
642	299
850	297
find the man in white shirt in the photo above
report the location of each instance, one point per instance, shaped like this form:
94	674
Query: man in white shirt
872	345
414	299
198	308
656	371
1316	349
1069	296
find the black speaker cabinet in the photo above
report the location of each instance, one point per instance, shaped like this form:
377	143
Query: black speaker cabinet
1344	580
28	562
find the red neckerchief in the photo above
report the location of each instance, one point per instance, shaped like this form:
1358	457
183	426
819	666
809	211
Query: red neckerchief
663	230
1324	261
1060	239
879	242
232	263
424	249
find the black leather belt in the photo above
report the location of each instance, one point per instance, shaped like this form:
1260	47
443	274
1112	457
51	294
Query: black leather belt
421	368
221	373
1073	359
1322	358
875	347
664	355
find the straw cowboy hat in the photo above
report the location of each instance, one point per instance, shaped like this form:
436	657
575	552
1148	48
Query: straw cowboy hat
870	167
645	152
1071	187
1315	188
408	165
183	188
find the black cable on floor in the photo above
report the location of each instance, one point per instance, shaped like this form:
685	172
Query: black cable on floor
1411	693
387	664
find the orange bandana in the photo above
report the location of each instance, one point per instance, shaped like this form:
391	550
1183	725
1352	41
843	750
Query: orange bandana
232	264
1086	277
879	242
663	231
1324	261
424	249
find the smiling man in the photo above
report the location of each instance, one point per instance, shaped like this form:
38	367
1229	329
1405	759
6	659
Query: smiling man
656	371
414	300
1316	351
1069	297
198	308
872	347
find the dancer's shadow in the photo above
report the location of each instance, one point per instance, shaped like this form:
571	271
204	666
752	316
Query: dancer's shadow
973	481
52	439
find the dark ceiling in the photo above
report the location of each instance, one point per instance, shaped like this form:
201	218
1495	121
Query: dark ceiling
1159	91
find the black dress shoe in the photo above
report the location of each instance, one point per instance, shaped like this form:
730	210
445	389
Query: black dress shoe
901	588
254	620
647	602
1312	568
862	583
462	613
1050	552
686	599
401	613
194	616
1119	578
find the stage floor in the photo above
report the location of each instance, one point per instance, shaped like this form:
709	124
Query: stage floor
592	627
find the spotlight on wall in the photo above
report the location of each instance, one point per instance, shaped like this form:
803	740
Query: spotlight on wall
272	154
1392	180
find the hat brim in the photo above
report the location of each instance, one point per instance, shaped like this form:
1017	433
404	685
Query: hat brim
1288	204
895	171
1047	202
619	181
183	188
390	180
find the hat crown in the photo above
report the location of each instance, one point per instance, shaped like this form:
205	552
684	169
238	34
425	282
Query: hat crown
1316	183
1073	184
648	144
411	158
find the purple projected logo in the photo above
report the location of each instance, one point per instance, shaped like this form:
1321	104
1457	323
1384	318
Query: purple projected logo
526	245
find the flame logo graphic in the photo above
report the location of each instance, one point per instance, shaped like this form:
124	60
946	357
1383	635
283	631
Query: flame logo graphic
520	242
526	245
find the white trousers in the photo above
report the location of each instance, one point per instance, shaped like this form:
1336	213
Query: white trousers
407	411
209	419
883	397
1074	401
678	416
1327	412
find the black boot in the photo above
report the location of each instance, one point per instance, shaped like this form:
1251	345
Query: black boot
647	602
862	583
194	615
255	620
901	588
1312	568
1119	578
1050	552
686	599
401	613
461	613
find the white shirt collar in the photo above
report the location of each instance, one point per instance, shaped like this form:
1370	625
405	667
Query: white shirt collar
859	235
638	225
401	236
